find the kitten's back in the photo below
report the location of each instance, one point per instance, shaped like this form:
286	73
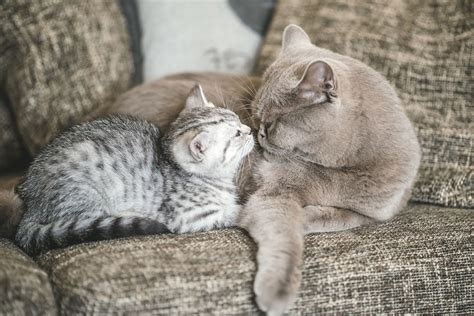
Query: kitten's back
76	187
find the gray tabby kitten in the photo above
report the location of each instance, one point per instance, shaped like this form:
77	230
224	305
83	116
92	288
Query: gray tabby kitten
116	177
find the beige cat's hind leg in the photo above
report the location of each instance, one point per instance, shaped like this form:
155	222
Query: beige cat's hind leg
318	219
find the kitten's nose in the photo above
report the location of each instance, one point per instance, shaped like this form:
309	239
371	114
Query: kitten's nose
246	130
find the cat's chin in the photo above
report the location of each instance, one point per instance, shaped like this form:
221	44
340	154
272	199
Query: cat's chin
270	150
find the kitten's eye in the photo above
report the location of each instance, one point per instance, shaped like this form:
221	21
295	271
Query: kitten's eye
238	134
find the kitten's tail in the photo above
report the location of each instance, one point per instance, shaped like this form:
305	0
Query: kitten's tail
36	238
11	211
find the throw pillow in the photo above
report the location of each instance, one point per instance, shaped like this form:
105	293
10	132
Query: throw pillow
201	35
69	57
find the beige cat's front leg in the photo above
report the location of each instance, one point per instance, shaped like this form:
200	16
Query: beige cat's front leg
319	219
275	223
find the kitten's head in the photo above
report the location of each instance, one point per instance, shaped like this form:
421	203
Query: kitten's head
305	106
208	140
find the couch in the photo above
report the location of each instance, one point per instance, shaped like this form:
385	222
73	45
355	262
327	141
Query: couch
62	59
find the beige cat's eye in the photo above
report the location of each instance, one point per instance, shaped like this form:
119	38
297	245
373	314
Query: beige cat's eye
268	126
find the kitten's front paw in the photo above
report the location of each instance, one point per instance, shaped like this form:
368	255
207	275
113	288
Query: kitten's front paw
275	293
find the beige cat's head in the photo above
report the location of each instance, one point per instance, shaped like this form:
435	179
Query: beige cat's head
323	107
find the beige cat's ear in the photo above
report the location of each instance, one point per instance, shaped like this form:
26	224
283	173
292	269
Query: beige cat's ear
196	98
198	145
294	36
317	81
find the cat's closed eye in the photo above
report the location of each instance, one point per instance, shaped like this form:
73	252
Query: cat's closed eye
238	134
268	126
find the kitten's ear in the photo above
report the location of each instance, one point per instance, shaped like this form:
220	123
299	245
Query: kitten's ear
318	80
293	35
196	98
198	145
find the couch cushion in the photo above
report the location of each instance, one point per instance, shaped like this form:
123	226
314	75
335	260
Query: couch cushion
65	58
420	262
169	274
424	48
24	287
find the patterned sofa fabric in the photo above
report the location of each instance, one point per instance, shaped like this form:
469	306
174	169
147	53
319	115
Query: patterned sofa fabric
24	287
425	49
62	59
420	262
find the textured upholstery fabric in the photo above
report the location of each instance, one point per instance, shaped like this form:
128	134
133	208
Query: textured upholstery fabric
24	287
425	49
420	262
11	150
68	58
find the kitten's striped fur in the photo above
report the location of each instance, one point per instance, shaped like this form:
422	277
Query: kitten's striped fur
117	177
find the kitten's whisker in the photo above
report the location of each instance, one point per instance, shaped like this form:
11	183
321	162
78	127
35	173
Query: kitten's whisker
220	95
244	104
254	88
238	81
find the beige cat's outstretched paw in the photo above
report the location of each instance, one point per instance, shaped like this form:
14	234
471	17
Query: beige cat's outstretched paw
273	294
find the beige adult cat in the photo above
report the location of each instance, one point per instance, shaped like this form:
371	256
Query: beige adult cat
338	151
